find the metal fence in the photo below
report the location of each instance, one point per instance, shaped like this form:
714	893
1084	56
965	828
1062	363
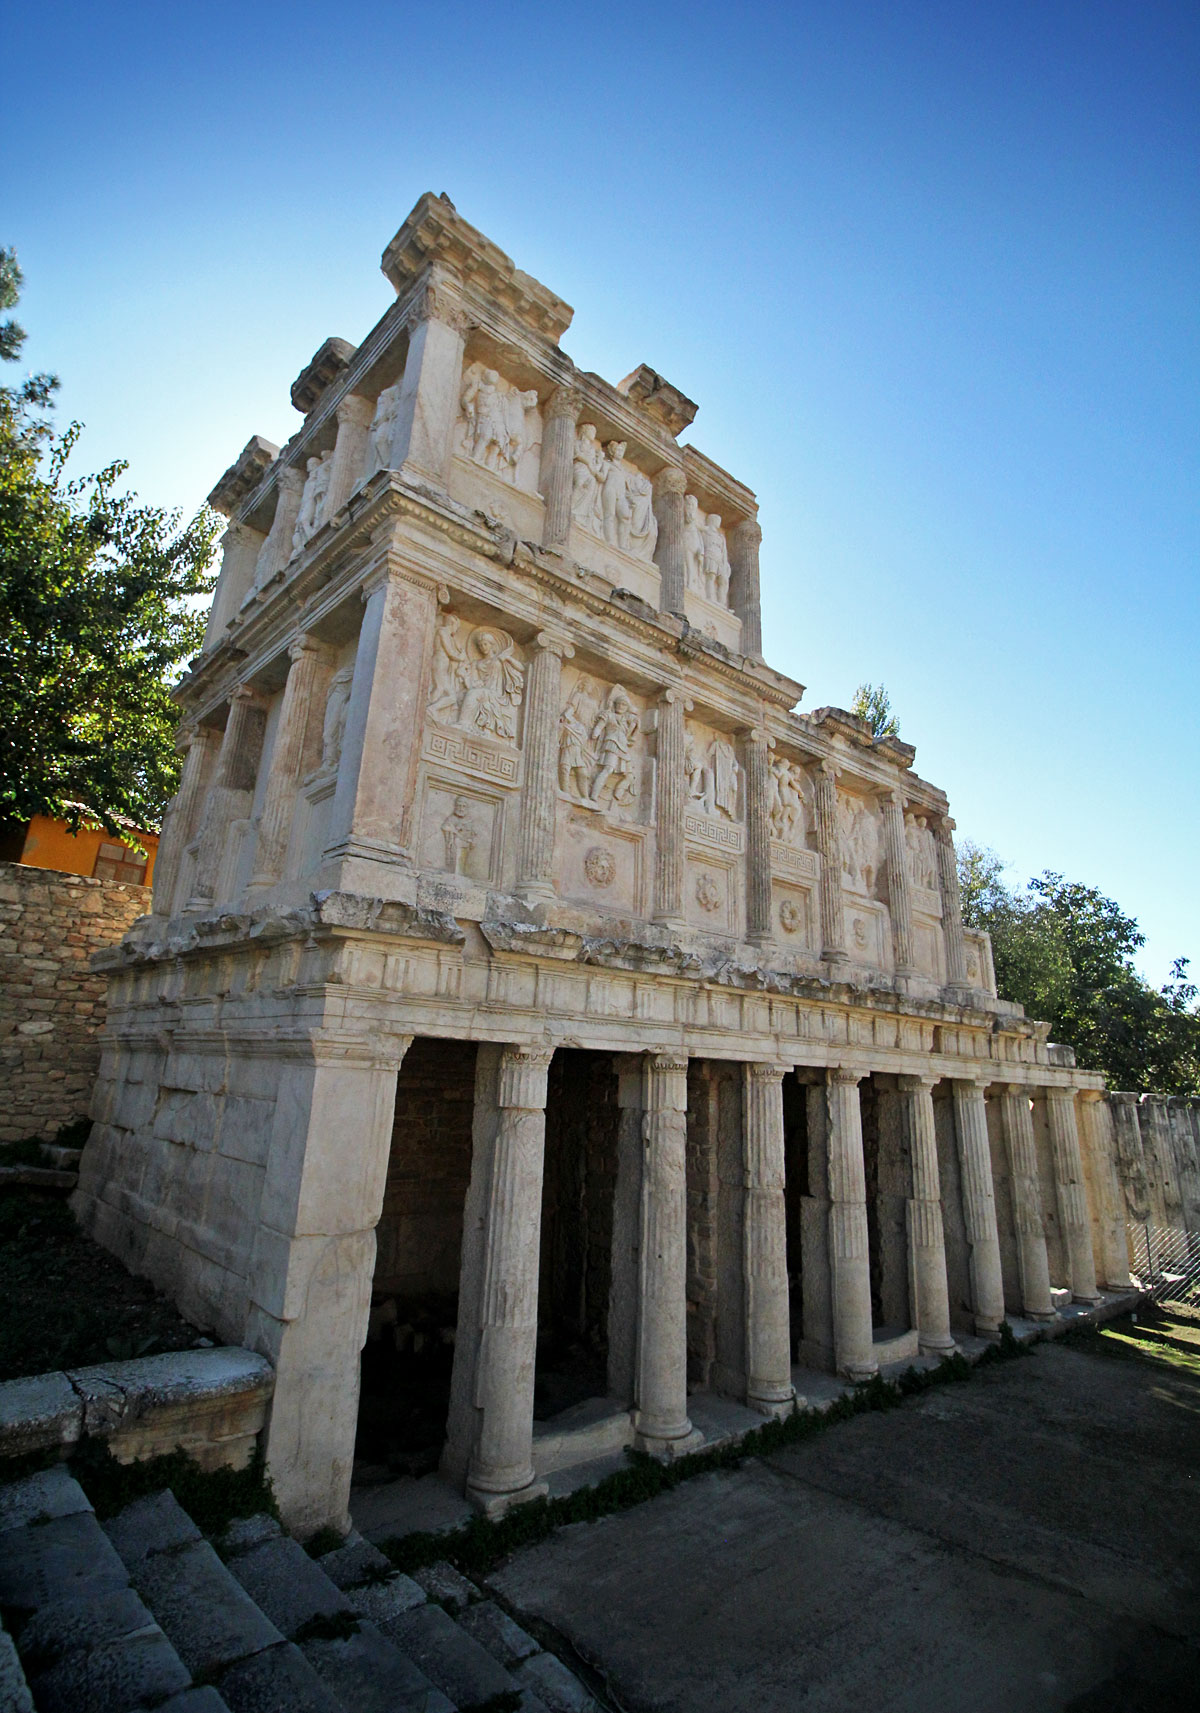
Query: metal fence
1166	1261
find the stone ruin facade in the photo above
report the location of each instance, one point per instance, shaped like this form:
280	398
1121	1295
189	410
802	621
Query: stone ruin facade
514	937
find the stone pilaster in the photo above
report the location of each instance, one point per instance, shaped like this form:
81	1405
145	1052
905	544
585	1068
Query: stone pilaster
768	1328
240	548
350	451
926	1239
669	801
1070	1193
853	1342
539	800
232	790
198	744
829	843
899	884
1034	1269
283	782
979	1206
669	487
372	811
660	1417
422	441
744	542
758	838
501	1466
952	924
1097	1144
558	464
277	548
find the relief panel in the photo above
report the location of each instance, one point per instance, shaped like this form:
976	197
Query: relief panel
795	913
613	526
862	845
461	830
710	894
603	766
868	937
601	866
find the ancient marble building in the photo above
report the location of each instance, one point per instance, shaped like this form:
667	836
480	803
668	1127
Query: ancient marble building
514	937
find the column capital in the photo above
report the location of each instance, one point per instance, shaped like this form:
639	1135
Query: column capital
549	642
185	736
1016	1089
759	736
946	826
749	530
437	300
247	696
356	410
675	694
914	1082
762	1072
670	480
980	1079
1055	1091
667	1062
896	798
1091	1094
523	1073
305	643
843	1074
290	478
829	768
565	402
393	570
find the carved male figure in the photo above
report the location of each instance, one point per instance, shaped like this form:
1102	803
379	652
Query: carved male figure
312	502
725	777
643	525
585	479
449	659
333	730
379	440
614	732
459	835
716	562
696	773
576	758
615	509
693	544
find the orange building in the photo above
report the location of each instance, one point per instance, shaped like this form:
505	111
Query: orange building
91	851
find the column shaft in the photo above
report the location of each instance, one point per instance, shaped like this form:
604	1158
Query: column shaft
926	1238
283	782
558	464
179	827
660	1415
240	548
350	451
768	1326
829	842
979	1206
277	548
422	442
232	790
853	1341
1097	1144
669	485
1032	1264
1070	1193
669	800
758	839
956	948
744	543
899	884
539	800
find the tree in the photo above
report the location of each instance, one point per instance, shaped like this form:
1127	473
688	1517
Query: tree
873	704
98	613
1065	952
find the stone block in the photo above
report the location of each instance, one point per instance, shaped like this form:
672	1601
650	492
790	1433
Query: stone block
157	1523
559	1689
64	1625
286	1584
203	1700
48	1493
14	1691
494	1630
380	1601
206	1614
368	1674
67	1558
245	1532
132	1671
445	1584
277	1680
449	1657
355	1561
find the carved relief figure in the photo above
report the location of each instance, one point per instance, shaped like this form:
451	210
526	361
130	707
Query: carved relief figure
600	866
922	853
379	438
493	680
333	730
613	734
860	845
716	562
496	430
585	479
616	511
459	834
312	501
708	893
693	544
643	525
725	777
786	803
612	498
791	917
576	757
696	771
449	659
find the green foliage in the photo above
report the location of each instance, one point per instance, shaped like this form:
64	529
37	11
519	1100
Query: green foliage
98	613
1065	952
873	704
212	1498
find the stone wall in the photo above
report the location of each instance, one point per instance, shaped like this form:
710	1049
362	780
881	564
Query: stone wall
51	1004
1157	1153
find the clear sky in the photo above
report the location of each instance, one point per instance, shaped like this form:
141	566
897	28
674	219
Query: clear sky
928	266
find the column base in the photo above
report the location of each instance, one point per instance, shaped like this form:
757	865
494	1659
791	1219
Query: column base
989	1329
669	1445
936	1346
1040	1317
495	1505
1088	1302
777	1407
857	1372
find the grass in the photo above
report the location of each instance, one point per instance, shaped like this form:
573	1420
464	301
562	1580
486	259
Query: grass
213	1498
1167	1335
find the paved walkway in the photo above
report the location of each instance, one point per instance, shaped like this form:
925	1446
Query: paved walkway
1027	1541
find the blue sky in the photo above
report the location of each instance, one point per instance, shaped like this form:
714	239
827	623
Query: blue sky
929	267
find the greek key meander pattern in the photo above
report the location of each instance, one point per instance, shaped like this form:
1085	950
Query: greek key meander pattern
714	832
471	756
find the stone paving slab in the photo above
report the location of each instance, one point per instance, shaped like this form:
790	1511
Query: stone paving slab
494	1630
278	1680
14	1690
49	1493
380	1601
559	1689
66	1558
446	1585
157	1523
286	1584
448	1656
206	1614
134	1671
369	1675
353	1562
55	1629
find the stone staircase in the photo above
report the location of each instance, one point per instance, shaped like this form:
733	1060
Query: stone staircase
143	1612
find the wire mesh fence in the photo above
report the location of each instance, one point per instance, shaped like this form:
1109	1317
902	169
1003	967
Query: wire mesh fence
1166	1261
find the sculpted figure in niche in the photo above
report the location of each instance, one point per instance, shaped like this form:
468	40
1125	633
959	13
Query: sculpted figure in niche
786	803
643	525
613	734
379	438
493	679
860	845
333	730
459	835
725	777
696	772
616	512
693	544
449	659
716	562
576	757
312	501
922	853
495	430
585	479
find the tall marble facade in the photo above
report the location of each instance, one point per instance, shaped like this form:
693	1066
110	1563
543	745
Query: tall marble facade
482	747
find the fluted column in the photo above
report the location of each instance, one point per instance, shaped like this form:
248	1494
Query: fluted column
1034	1269
501	1467
952	925
277	548
850	1267
829	842
539	799
197	744
926	1238
660	1415
283	781
669	486
744	543
240	548
232	789
1070	1193
768	1327
1097	1144
758	838
899	884
372	810
350	451
979	1206
670	795
422	440
558	464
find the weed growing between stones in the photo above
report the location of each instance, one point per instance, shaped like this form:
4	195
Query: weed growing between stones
328	1627
325	1540
211	1497
504	1701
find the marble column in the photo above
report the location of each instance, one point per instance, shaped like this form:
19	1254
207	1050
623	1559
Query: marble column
198	745
829	843
232	790
850	1267
427	409
558	464
539	799
744	542
758	838
372	811
501	1466
354	415
670	793
240	548
899	884
283	781
277	548
1097	1143
926	1239
1036	1301
1070	1193
660	1417
769	1386
669	487
952	925
979	1206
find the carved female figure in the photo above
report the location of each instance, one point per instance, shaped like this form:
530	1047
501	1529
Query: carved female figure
585	479
493	680
615	509
379	439
458	835
643	525
312	502
614	732
333	729
725	777
693	544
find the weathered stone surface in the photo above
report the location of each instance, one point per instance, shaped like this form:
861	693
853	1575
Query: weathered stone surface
278	1680
446	1585
201	1700
558	1688
157	1523
286	1584
67	1558
494	1630
379	1601
448	1656
245	1532
64	1625
112	1676
354	1562
14	1690
370	1675
48	1493
203	1611
39	1412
